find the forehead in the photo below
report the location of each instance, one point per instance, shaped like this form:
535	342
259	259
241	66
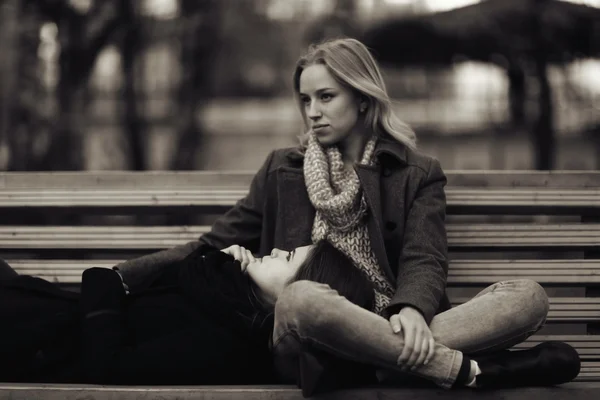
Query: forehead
315	77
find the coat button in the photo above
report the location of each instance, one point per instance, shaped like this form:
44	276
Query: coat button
386	172
390	225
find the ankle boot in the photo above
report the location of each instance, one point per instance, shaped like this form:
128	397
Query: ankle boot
547	364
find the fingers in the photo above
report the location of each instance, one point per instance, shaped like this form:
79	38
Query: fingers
247	258
409	342
417	341
241	254
395	323
431	350
419	345
422	354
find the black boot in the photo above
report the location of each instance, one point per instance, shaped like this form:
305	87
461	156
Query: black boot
547	364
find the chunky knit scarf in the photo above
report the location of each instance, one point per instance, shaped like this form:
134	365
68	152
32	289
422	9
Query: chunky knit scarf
340	206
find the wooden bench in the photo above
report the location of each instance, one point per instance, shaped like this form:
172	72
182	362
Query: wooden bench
501	225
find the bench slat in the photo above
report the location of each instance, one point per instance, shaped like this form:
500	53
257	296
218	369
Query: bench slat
459	200
461	272
187	179
460	236
227	196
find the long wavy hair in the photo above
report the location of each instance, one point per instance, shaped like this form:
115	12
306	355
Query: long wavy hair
352	65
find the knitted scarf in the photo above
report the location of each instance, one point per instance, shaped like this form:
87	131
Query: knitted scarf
340	206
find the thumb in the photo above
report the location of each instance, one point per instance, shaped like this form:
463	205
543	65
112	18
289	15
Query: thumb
395	323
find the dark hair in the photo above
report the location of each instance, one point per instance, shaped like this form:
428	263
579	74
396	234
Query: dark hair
328	265
324	264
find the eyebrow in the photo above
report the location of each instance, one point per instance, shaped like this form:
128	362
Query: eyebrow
318	91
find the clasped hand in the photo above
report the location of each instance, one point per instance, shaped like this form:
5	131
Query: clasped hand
243	255
419	345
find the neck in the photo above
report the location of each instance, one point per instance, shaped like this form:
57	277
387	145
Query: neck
353	146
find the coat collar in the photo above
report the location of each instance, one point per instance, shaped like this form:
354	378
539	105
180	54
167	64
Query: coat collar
386	146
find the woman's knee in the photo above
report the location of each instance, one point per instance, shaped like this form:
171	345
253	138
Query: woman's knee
535	298
299	296
303	305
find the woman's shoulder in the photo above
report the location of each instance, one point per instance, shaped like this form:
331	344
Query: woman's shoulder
292	157
425	162
391	152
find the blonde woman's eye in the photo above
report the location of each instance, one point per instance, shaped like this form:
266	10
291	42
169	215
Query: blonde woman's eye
326	97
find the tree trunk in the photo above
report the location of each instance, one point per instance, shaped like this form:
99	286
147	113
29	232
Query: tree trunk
81	37
131	120
543	131
9	36
199	41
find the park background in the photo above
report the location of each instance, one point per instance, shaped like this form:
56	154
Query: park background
206	84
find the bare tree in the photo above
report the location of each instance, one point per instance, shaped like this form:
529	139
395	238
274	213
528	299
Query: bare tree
200	19
132	122
82	36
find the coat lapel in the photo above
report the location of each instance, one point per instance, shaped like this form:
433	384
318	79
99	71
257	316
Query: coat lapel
370	182
295	211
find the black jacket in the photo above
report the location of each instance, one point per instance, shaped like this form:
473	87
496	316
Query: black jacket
195	324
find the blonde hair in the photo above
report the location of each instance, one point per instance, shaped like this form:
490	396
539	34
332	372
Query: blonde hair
352	65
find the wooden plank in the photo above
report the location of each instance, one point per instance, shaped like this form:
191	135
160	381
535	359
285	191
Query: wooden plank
541	179
523	235
170	179
459	200
12	391
460	236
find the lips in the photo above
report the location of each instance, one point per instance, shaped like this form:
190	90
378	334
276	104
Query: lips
319	126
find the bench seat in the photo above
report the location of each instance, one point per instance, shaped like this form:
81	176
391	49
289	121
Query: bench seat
571	391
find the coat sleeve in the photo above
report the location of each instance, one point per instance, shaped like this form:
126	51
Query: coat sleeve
423	263
241	225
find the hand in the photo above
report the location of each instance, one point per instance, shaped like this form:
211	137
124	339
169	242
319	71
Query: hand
419	345
241	254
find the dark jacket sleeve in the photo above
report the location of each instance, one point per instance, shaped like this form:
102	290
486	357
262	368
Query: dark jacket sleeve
241	225
423	264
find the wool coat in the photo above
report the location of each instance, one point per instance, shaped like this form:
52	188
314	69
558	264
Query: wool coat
404	191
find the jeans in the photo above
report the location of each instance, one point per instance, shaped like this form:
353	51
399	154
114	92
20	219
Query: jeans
311	317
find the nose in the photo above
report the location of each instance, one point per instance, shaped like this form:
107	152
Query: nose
313	112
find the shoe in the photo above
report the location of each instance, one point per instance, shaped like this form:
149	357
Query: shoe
547	364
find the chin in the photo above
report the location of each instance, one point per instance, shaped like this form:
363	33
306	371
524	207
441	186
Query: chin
327	140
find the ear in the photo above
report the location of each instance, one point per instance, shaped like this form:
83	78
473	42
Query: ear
363	106
363	103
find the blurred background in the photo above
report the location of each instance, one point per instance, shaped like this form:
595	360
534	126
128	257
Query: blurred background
206	84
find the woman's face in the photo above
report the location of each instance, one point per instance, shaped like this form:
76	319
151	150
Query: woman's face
331	109
272	273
